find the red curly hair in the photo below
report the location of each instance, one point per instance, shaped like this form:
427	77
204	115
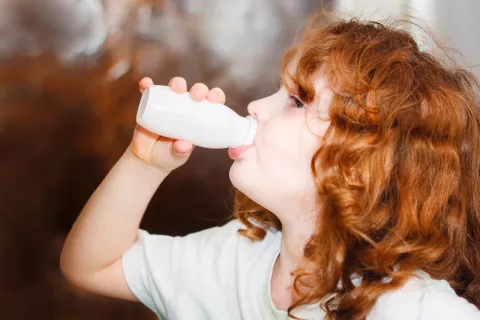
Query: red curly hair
397	172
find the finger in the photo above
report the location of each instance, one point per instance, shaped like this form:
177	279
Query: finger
182	146
145	132
199	91
145	83
178	84
216	95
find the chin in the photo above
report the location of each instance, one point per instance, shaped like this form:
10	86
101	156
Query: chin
246	181
242	178
235	176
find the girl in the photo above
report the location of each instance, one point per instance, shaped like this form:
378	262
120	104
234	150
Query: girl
359	198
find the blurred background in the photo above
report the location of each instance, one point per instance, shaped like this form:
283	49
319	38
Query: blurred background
69	72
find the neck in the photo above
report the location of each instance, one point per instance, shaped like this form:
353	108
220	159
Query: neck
290	258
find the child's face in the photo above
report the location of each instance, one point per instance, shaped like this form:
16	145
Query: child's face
276	172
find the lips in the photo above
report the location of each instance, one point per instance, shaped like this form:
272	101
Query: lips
235	153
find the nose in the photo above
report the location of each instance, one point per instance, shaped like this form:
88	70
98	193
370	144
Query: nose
256	110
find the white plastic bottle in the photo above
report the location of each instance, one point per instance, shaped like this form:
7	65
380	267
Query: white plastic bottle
205	124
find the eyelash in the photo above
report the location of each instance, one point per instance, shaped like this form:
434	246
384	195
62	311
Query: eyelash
296	103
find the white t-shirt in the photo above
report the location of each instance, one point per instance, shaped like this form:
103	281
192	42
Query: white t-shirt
218	274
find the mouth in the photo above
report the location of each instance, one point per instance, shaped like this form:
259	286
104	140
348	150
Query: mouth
235	153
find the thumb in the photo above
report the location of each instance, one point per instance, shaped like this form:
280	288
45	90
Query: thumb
182	147
171	155
180	151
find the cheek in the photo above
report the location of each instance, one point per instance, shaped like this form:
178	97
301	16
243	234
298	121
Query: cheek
287	148
288	169
277	171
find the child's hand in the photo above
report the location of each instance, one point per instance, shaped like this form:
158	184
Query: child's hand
162	152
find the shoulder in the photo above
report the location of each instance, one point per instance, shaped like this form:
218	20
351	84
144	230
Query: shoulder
228	232
423	298
207	243
194	244
441	302
211	263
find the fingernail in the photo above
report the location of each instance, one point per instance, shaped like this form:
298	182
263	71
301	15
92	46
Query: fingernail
181	152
